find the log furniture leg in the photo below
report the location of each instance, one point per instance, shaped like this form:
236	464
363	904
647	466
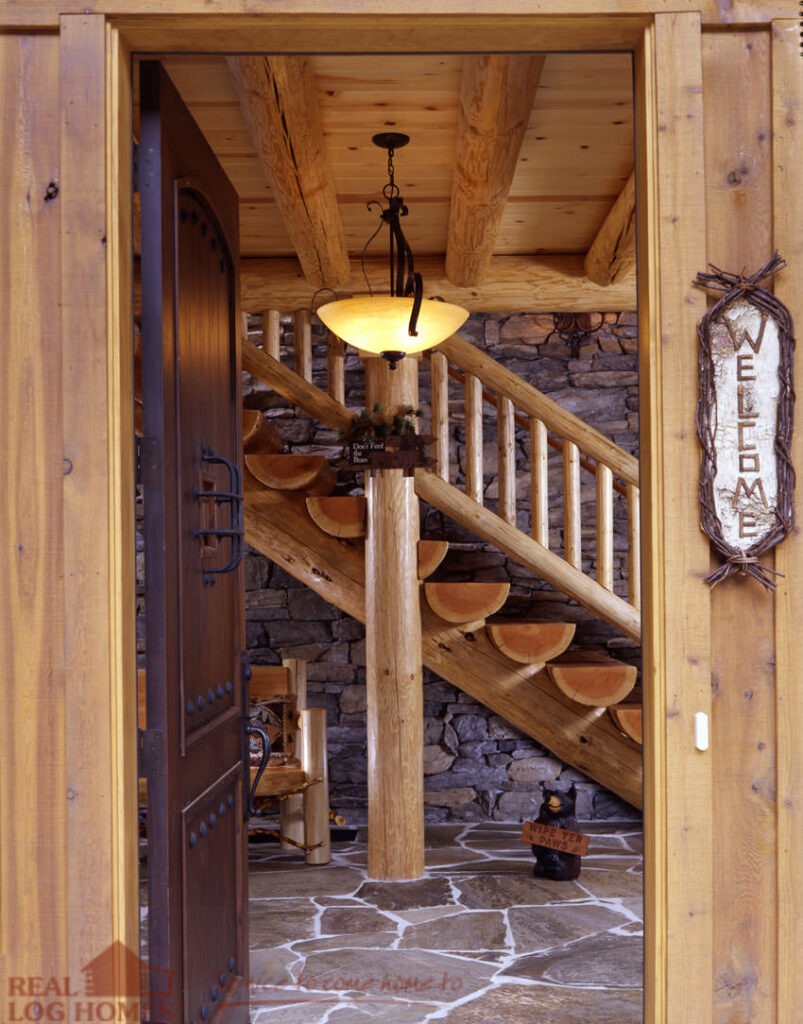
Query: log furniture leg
291	809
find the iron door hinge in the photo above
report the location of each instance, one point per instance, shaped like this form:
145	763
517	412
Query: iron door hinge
150	749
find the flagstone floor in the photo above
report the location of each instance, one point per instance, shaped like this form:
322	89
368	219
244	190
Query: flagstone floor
478	940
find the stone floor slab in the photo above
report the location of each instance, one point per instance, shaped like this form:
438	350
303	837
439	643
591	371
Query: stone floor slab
535	930
479	939
328	880
608	883
538	1004
424	892
339	920
614	961
356	941
489	892
276	922
272	966
468	930
417	975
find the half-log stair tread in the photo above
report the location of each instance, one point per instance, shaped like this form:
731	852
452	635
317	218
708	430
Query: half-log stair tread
430	555
259	434
339	516
532	643
592	679
466	602
309	473
629	718
522	694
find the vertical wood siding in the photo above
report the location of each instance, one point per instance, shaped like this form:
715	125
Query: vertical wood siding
32	724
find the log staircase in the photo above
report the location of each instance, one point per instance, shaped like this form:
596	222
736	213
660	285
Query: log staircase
521	670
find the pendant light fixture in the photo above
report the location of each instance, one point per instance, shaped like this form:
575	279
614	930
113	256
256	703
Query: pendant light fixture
400	323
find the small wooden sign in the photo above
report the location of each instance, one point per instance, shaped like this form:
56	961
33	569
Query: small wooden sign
744	421
405	451
554	838
360	452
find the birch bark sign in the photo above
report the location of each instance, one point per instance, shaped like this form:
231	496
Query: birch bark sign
744	420
744	349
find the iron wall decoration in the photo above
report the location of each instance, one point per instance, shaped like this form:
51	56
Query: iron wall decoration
744	421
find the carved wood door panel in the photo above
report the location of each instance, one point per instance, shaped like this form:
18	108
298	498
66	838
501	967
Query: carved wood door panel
192	748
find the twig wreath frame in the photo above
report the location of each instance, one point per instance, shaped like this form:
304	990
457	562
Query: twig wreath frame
769	520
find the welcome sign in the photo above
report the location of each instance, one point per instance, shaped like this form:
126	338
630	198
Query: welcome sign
744	421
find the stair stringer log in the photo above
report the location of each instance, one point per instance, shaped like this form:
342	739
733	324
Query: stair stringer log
277	525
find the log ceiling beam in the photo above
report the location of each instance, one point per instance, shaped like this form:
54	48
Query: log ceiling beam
533	284
496	99
280	105
612	254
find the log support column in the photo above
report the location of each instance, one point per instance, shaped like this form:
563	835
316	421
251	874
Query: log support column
393	649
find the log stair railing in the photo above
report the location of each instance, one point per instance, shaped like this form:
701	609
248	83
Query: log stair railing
583	450
528	426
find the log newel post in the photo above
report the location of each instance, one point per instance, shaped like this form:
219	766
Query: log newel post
393	649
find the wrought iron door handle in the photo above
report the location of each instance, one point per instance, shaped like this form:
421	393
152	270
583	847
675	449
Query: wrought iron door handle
256	730
232	497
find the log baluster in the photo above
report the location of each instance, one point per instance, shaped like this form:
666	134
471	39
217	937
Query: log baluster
505	439
335	367
272	332
303	343
572	526
439	389
633	546
604	526
539	481
474	481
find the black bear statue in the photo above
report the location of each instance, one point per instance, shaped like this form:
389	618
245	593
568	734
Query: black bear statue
557	811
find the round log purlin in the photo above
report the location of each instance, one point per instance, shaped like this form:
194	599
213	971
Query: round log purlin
394	687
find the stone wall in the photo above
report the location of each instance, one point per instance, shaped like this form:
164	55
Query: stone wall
477	766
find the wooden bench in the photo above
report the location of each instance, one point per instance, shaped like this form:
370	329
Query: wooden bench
298	774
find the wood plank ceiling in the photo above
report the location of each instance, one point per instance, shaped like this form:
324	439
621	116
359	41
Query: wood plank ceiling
518	176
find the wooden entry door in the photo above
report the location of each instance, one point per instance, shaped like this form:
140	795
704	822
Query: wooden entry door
192	748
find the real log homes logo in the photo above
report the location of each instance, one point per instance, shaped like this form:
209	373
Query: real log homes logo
109	991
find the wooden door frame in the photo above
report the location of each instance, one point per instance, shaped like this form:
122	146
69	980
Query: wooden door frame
671	250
